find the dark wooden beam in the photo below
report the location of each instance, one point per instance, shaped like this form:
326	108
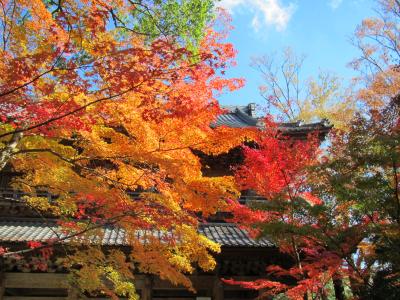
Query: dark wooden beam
39	280
147	287
2	287
218	290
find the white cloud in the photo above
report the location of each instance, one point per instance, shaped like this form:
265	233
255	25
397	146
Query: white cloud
334	4
265	12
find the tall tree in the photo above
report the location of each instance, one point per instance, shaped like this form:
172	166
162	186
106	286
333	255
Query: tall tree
377	39
291	97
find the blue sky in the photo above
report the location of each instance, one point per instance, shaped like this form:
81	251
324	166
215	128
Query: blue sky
319	29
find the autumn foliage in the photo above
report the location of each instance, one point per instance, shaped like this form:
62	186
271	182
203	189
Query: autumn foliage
93	109
277	168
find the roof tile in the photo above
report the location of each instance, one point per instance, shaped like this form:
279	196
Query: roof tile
226	234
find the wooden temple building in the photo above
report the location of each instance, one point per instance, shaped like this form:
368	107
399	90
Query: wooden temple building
241	258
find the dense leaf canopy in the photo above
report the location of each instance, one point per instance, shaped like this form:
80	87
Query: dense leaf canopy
100	99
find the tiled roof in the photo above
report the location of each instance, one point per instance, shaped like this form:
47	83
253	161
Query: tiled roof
299	128
236	118
227	235
243	116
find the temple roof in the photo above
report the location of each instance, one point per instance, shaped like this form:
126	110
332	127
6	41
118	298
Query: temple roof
20	230
24	230
244	117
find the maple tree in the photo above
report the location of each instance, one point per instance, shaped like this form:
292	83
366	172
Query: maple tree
291	216
99	99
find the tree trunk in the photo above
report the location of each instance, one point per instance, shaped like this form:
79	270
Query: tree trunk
358	288
338	286
324	296
9	149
